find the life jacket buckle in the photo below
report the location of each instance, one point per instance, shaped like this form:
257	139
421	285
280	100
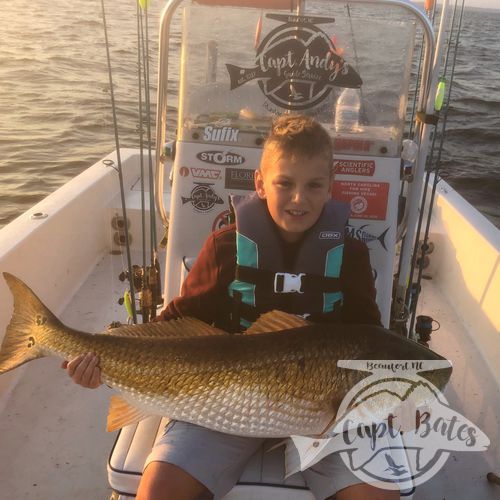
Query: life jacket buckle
288	283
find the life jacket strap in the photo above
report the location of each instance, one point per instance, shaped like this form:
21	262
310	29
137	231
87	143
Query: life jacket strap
287	282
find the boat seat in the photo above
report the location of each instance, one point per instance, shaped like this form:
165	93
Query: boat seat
264	470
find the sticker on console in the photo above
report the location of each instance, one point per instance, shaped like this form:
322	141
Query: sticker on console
223	158
220	134
354	167
368	200
212	174
240	178
297	64
203	198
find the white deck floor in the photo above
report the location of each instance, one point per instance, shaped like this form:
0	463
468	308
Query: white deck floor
52	439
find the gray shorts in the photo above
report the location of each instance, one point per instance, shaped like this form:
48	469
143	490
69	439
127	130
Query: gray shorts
217	460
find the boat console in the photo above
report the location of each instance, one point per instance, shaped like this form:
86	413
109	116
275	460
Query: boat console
243	63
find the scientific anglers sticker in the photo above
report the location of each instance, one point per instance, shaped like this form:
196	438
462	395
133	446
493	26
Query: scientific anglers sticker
394	426
354	167
297	64
203	198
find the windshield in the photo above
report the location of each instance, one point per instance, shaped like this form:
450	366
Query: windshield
347	66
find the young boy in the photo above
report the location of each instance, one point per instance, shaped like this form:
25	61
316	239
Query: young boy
273	258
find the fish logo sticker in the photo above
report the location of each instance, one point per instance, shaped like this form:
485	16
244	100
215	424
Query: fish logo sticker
296	64
394	426
203	198
360	233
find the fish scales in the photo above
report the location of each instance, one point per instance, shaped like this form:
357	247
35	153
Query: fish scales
272	384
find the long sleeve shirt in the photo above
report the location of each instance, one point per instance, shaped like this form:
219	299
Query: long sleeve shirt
204	293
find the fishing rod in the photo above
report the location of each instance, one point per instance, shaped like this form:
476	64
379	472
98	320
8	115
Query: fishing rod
150	295
424	246
119	168
141	150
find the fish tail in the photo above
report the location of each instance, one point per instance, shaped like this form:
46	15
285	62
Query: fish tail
30	320
381	238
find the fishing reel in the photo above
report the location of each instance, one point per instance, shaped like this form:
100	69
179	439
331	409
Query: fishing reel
147	284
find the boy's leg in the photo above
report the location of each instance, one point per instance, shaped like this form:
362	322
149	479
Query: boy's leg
331	478
196	461
364	491
163	481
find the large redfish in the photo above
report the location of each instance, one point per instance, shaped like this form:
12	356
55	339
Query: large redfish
279	379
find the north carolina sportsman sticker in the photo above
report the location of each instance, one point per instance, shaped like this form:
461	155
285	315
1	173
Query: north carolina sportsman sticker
203	198
297	64
368	200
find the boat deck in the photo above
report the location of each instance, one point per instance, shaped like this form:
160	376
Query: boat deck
52	432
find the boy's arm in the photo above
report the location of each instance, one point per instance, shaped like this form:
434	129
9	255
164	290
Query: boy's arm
358	286
204	290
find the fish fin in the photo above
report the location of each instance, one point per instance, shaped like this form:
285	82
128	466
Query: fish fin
335	400
175	328
121	413
275	321
30	319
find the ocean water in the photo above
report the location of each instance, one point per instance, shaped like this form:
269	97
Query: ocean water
55	112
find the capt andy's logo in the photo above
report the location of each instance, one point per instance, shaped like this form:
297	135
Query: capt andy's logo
203	198
395	426
297	64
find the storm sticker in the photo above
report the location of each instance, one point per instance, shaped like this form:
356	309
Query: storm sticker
203	198
297	64
220	158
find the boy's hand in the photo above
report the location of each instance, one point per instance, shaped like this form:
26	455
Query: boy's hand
84	370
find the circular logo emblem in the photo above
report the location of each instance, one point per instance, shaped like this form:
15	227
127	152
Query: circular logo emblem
297	64
203	198
358	204
387	446
184	171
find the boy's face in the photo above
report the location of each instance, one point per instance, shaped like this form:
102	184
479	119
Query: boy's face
295	189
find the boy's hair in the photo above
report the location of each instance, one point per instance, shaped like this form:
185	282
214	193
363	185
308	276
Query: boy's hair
299	135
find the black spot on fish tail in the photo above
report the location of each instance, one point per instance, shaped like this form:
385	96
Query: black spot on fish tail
30	316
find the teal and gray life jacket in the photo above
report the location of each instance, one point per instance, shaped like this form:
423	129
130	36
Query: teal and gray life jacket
311	288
